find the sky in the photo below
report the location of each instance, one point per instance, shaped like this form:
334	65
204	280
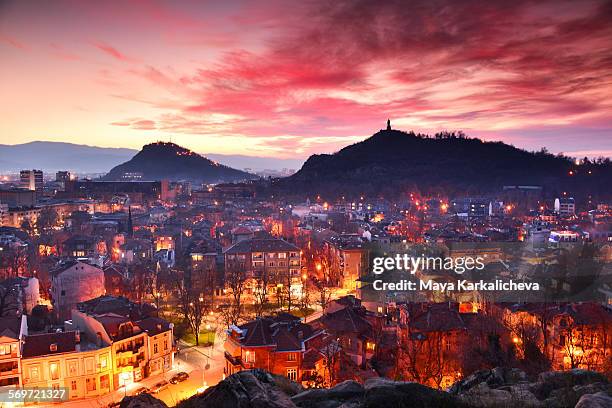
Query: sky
289	79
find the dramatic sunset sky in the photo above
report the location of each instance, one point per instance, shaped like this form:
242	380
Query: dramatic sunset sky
292	78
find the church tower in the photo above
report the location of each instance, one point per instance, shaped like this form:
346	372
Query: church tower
388	124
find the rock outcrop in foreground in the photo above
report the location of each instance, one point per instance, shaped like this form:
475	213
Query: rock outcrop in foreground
497	388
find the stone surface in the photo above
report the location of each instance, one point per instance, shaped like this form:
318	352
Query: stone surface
598	400
142	401
495	388
247	389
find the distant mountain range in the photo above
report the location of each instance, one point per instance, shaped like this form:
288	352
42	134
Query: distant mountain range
163	160
52	156
391	163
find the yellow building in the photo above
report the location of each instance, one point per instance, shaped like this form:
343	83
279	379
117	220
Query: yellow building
61	360
11	331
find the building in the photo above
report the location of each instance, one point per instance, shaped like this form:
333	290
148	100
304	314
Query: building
12	330
348	260
4	215
73	282
141	344
471	207
270	260
67	359
31	179
565	206
17	216
278	345
63	176
18	197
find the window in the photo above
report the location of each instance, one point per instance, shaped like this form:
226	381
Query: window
155	348
34	373
63	293
89	364
91	384
282	255
73	368
73	385
370	346
249	356
54	370
103	362
165	344
292	374
104	384
292	357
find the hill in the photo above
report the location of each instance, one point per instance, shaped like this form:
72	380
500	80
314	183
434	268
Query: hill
392	162
51	156
162	160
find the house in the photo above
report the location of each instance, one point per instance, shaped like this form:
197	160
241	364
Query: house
355	332
81	246
277	344
73	282
12	330
580	336
67	359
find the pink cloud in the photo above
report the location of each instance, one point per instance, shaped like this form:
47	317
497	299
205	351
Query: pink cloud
113	52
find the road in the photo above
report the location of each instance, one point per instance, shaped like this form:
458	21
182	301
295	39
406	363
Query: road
204	365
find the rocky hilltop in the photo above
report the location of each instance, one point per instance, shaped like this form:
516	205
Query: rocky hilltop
496	388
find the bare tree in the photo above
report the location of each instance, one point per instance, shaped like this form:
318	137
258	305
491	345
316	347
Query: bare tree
235	280
193	305
261	295
9	297
324	293
47	219
331	356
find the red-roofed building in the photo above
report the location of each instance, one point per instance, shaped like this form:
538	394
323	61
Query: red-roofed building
277	344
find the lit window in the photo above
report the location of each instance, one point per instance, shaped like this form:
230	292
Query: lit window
292	374
249	356
54	370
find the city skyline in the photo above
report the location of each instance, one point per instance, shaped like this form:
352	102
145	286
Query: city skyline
265	79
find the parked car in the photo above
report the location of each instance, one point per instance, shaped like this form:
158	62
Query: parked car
160	386
179	377
139	390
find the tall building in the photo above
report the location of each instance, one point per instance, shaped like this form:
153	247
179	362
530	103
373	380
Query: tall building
565	206
32	179
62	176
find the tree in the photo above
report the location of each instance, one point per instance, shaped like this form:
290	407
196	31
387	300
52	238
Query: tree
261	295
331	356
8	300
47	219
324	293
28	227
192	305
235	280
